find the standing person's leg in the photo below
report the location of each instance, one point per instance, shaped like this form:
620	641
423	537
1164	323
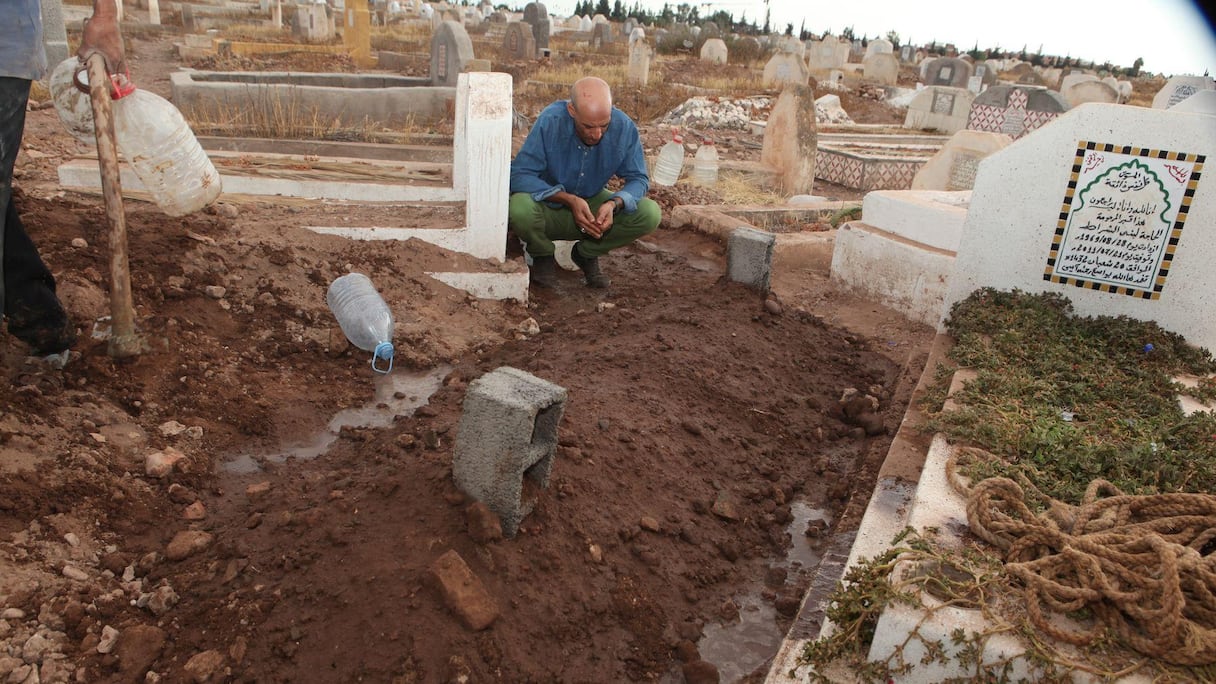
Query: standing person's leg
27	292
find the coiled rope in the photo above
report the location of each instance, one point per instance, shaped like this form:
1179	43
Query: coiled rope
1144	566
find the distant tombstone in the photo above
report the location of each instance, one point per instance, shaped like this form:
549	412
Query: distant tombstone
1180	88
694	31
451	50
879	46
986	72
1014	110
313	23
791	140
939	108
953	167
710	30
637	34
785	68
1051	76
500	17
824	56
857	49
628	25
638	72
537	16
518	42
905	53
1105	207
1074	78
1090	91
599	19
585	24
714	51
881	68
573	23
791	45
601	35
947	71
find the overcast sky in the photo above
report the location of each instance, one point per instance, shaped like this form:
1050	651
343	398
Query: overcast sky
1171	35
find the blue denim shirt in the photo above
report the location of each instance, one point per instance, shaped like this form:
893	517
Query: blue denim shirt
553	159
21	51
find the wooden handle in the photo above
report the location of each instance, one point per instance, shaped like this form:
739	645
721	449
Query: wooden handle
123	340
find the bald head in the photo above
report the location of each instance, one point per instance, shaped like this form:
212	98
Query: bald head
591	108
591	96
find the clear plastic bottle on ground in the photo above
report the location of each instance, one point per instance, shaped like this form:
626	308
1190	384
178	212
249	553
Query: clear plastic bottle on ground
705	164
364	317
162	150
670	162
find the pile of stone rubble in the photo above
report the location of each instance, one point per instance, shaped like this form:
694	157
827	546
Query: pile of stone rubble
738	113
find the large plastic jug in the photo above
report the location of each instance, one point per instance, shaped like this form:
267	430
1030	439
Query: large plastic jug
364	317
670	162
157	142
705	164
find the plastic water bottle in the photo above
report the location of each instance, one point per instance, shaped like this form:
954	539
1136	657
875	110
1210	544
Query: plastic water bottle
670	162
71	103
364	317
705	164
162	150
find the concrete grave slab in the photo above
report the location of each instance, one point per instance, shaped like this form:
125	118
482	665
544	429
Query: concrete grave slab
1180	88
955	165
939	108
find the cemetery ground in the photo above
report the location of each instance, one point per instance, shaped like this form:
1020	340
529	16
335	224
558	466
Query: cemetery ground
148	499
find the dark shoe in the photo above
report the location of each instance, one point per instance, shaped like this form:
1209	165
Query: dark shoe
47	342
591	269
543	272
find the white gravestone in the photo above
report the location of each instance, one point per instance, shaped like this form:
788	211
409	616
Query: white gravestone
1106	206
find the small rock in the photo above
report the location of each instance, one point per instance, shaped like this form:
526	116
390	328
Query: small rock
171	428
228	211
186	543
701	672
195	511
729	611
691	428
23	674
215	291
483	524
203	666
80	243
237	650
180	494
529	327
138	648
74	573
338	342
161	463
34	648
649	523
596	553
109	638
725	508
160	600
772	306
463	591
12	614
788	604
72	539
257	490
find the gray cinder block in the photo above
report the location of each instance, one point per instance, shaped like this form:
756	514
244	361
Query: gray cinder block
749	257
507	431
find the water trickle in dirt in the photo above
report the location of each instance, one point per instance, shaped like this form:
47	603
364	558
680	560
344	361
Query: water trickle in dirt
397	394
738	649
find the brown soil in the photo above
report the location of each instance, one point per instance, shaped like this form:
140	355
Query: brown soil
698	414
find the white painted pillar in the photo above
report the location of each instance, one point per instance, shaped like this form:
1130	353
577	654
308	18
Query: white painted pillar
481	161
154	12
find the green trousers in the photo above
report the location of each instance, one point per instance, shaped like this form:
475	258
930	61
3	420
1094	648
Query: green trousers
538	225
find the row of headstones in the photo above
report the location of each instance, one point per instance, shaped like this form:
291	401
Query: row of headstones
1017	109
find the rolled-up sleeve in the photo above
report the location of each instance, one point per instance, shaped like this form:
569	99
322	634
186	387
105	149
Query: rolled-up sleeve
633	171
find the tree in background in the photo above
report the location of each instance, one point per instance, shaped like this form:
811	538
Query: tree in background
893	37
618	11
602	8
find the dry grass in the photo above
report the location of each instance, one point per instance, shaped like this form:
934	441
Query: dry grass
278	119
745	189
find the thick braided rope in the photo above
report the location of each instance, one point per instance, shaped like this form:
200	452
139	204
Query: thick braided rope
1145	566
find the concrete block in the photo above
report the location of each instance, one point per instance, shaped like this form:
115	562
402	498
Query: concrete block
932	217
749	257
463	591
507	431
